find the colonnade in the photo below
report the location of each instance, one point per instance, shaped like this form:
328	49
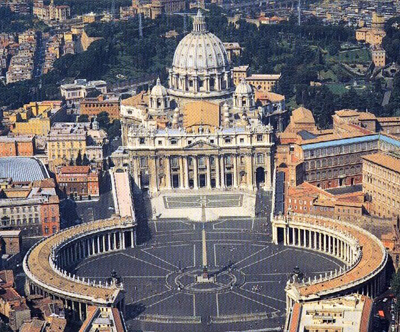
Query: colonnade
71	253
209	83
364	274
81	241
322	241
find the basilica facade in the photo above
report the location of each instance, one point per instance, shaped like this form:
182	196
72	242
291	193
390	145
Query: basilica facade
201	132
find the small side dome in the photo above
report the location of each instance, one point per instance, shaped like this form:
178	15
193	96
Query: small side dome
158	90
243	88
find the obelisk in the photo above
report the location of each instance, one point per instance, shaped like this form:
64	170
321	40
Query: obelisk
204	247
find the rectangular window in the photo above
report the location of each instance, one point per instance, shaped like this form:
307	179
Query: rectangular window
259	138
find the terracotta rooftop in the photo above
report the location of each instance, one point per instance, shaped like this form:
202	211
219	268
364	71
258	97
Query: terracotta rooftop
142	98
303	115
384	160
366	116
389	119
271	96
347	113
74	170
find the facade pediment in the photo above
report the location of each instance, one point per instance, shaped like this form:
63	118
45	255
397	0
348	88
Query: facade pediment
201	144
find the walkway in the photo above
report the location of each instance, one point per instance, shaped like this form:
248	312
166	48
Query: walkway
122	194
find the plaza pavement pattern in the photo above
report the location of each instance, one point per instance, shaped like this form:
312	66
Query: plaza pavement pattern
239	248
218	205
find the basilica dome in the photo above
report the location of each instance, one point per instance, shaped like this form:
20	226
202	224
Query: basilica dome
243	88
158	90
200	68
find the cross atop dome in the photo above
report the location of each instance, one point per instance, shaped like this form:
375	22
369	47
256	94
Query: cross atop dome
199	23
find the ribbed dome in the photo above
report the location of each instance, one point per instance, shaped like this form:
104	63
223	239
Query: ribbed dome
158	90
200	50
243	88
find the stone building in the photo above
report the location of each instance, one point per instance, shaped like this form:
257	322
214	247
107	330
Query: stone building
199	133
66	141
17	146
75	92
154	8
78	181
51	12
94	106
381	184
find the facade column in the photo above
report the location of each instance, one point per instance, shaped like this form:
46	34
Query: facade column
98	244
268	170
115	241
136	171
120	240
104	242
168	172
249	171
222	171
195	173
109	241
181	173
208	172
235	176
154	185
305	238
186	172
217	172
93	248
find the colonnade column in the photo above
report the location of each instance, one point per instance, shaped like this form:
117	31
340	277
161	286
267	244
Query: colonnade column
133	240
293	236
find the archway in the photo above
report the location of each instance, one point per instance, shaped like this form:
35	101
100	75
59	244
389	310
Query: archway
260	176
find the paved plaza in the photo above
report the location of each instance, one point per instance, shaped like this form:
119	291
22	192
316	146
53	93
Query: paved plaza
218	204
248	294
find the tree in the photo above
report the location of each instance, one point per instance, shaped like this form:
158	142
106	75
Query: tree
395	285
86	160
114	130
78	160
83	118
103	119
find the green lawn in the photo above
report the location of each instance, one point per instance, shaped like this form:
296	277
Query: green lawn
328	74
337	88
354	56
